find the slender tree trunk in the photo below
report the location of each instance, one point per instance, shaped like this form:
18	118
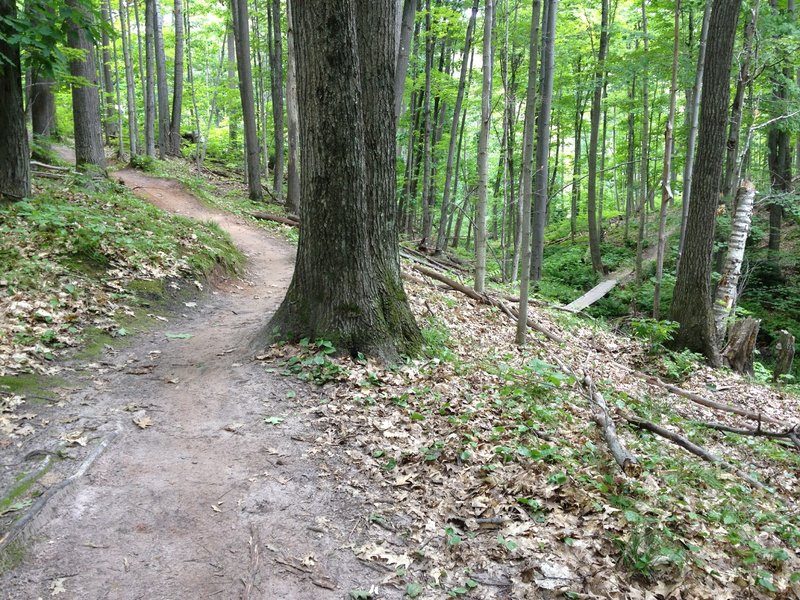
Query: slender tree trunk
448	174
426	150
543	138
727	289
43	105
276	78
644	168
198	134
693	118
403	47
526	183
483	151
177	90
599	76
666	175
162	91
15	174
346	58
150	82
241	28
133	125
110	121
691	301
630	168
576	162
293	191
85	98
117	93
232	82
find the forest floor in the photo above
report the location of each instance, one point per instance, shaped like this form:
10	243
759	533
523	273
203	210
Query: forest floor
194	496
476	470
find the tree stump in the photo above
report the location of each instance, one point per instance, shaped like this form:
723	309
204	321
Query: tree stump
784	354
738	353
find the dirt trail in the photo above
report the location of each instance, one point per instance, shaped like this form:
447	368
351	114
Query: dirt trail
209	501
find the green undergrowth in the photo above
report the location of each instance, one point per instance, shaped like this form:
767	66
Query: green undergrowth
81	259
227	194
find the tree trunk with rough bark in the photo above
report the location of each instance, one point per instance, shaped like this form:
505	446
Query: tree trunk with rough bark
241	28
691	301
451	151
85	98
403	53
693	119
784	355
110	121
738	352
727	288
43	105
162	91
150	82
543	139
348	292
483	151
276	79
133	126
526	182
292	116
15	168
644	164
594	134
427	129
177	89
666	174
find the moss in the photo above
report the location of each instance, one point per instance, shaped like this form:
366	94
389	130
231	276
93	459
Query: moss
12	556
37	388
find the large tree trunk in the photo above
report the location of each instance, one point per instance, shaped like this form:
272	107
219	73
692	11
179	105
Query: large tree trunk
594	134
526	183
666	174
738	352
448	174
732	150
348	292
177	90
693	119
43	105
483	151
543	139
85	98
727	288
292	116
276	78
15	174
133	126
691	302
241	28
150	81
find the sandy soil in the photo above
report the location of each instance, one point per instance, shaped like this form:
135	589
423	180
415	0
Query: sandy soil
209	501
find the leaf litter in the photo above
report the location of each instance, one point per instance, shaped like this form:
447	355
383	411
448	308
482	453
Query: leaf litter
482	463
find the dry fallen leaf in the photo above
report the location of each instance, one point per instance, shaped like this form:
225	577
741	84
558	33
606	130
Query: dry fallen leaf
75	438
143	422
57	587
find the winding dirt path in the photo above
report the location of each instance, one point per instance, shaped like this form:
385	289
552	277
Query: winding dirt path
210	501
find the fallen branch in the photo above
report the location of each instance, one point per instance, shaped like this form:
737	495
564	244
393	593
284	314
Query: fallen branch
752	432
695	449
627	461
276	218
486	299
696	398
41	165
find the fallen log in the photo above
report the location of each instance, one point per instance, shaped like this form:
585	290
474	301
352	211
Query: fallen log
758	432
697	399
695	449
41	165
486	299
275	218
627	461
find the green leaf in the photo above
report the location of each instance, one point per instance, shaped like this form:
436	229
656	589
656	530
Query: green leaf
291	394
413	590
273	420
361	595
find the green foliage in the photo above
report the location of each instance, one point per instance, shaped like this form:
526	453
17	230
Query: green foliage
313	362
656	333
